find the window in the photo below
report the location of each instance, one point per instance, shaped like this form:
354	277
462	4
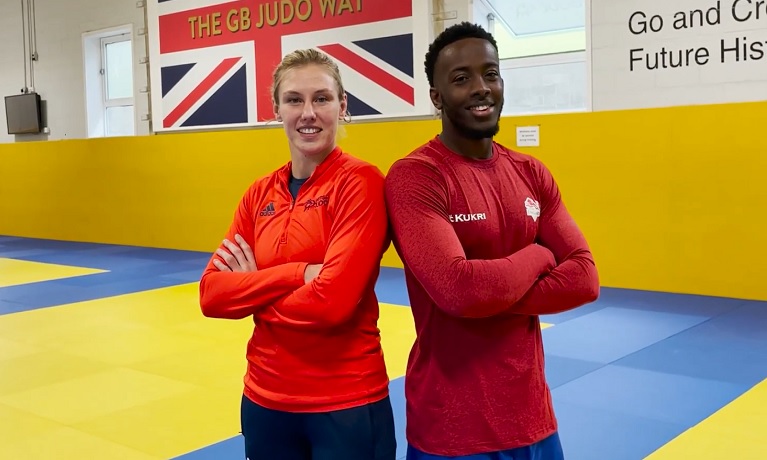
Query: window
543	50
117	85
109	82
545	84
536	27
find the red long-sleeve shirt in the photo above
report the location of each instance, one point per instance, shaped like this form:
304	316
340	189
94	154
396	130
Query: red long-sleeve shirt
487	246
316	346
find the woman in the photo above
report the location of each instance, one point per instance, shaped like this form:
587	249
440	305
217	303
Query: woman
302	257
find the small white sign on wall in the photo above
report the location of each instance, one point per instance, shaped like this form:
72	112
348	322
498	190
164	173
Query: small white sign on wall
528	136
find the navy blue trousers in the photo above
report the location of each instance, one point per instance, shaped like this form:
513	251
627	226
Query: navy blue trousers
359	433
546	449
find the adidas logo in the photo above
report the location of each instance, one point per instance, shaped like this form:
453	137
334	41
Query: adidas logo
268	210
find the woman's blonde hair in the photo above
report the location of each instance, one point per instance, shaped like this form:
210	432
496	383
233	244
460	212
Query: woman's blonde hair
301	58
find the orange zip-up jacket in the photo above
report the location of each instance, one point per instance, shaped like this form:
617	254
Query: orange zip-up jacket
315	346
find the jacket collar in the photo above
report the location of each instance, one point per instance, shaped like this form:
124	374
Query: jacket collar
321	168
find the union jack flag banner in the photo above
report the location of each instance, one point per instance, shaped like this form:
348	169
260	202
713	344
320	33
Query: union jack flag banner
211	62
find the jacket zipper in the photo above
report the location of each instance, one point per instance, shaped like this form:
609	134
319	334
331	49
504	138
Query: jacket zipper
284	238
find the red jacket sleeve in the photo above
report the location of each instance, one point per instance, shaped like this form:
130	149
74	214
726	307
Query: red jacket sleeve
237	295
574	282
417	200
357	241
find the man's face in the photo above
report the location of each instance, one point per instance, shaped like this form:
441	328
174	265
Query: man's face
468	88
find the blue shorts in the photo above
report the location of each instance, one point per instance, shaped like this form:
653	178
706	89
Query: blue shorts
359	433
547	449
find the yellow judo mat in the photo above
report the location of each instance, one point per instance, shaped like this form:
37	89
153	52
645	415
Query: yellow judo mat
15	272
137	376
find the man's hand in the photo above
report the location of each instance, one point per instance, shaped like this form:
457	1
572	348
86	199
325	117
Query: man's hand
311	272
552	260
240	257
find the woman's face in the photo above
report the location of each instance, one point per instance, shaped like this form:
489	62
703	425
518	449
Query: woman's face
310	107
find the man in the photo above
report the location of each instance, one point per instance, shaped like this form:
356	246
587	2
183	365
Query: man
487	246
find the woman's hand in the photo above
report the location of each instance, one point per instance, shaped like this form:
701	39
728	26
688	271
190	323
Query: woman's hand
240	257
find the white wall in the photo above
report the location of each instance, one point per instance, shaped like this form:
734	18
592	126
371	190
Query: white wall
449	12
11	57
709	80
59	71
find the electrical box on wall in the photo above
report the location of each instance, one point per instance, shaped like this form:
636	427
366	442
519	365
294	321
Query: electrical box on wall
24	113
